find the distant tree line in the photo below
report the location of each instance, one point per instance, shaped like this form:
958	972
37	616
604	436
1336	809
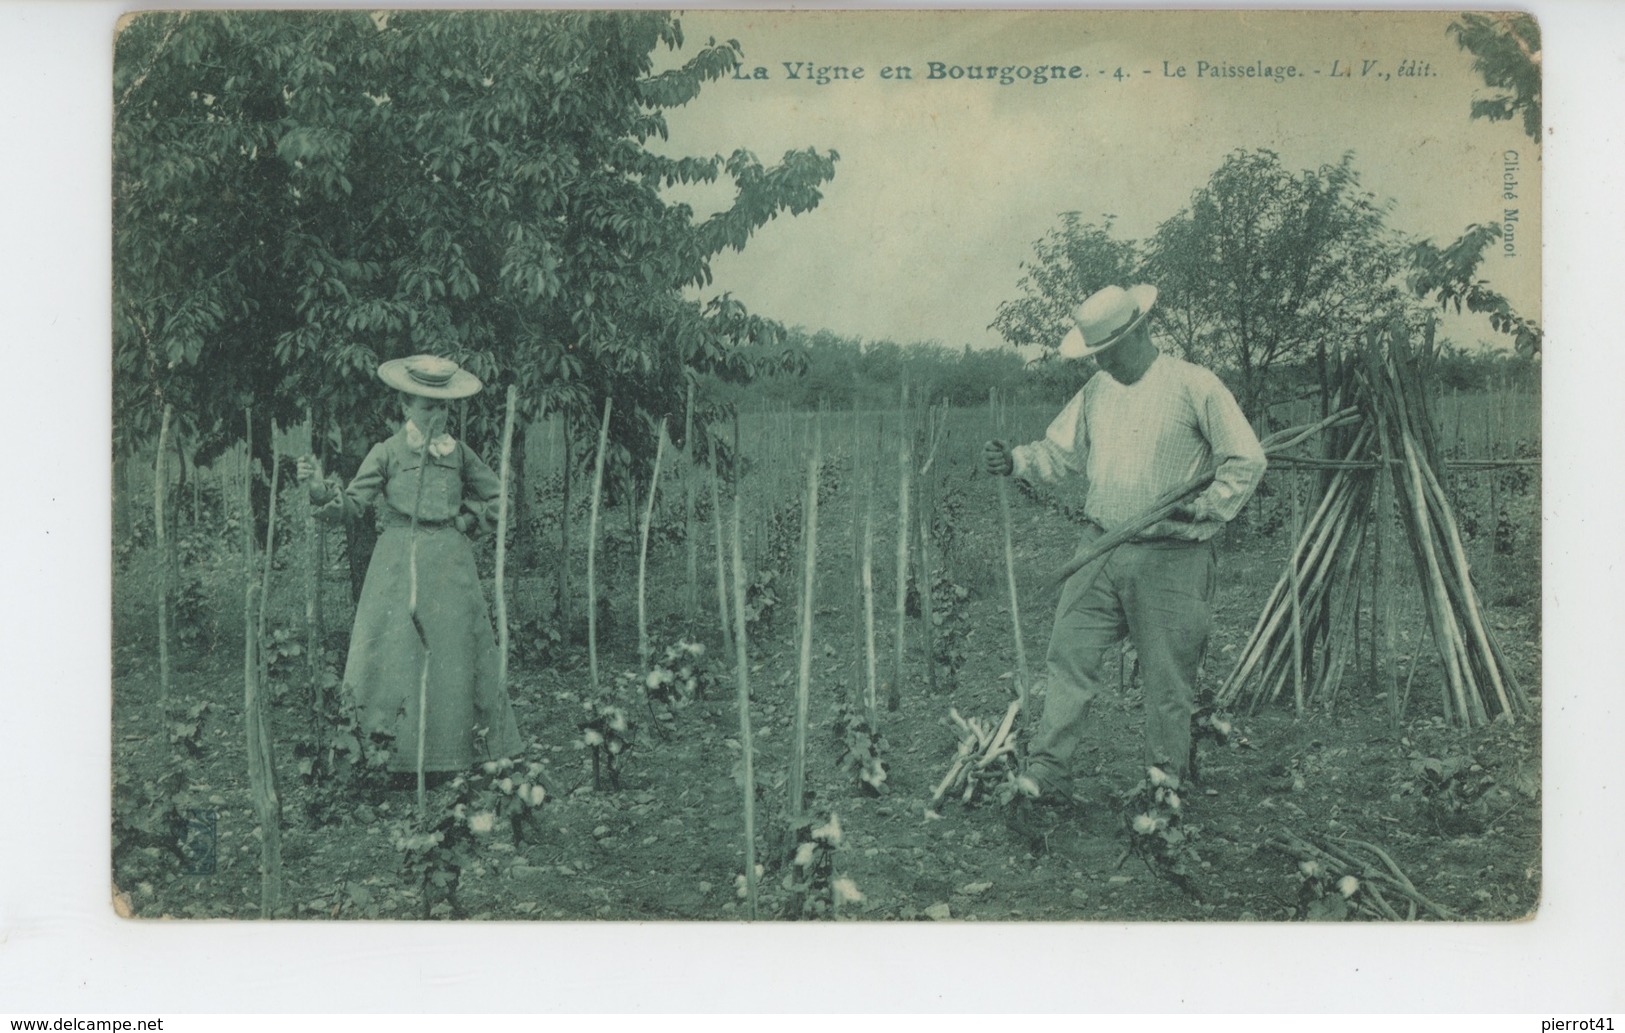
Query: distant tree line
844	372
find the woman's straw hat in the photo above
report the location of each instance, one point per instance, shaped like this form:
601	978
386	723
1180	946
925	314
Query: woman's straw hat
429	376
1106	317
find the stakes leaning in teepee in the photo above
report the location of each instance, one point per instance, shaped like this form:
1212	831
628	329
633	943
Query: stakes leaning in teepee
1392	438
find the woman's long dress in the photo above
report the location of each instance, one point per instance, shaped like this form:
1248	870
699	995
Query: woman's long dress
469	717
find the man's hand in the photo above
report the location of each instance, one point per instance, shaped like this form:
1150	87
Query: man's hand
1184	513
996	459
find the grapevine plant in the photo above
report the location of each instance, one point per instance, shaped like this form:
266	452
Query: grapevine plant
860	746
1154	819
342	761
505	794
606	733
815	890
1323	896
950	624
154	819
679	676
1209	723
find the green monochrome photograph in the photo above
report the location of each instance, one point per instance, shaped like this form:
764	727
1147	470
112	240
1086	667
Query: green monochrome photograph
826	466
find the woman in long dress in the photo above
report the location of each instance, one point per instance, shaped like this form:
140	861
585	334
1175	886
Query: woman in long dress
428	491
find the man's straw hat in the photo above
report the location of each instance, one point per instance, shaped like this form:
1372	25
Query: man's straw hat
429	376
1106	317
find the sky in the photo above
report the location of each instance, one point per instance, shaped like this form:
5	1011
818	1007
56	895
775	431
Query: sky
943	185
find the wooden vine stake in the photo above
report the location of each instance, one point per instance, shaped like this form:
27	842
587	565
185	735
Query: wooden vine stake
860	489
256	727
905	490
502	539
798	759
1491	439
263	573
248	487
270	520
562	603
159	490
592	548
261	622
313	588
1297	598
643	550
417	626
1382	631
1023	676
934	426
871	705
261	773
926	582
742	690
722	559
691	596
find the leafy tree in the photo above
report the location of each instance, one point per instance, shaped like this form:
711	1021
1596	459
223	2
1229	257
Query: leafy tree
1070	262
1506	52
1266	266
1175	258
300	195
1449	276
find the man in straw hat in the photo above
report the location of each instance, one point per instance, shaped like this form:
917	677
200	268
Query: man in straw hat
443	708
1152	422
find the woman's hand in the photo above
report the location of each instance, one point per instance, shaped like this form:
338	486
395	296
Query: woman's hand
997	460
310	474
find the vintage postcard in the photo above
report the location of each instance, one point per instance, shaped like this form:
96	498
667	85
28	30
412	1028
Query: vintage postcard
889	466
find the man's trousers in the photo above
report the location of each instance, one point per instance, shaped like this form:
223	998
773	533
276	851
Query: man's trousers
1160	595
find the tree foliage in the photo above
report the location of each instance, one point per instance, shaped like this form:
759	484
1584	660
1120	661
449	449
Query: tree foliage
1268	266
301	195
1506	53
1070	262
1449	276
1264	266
